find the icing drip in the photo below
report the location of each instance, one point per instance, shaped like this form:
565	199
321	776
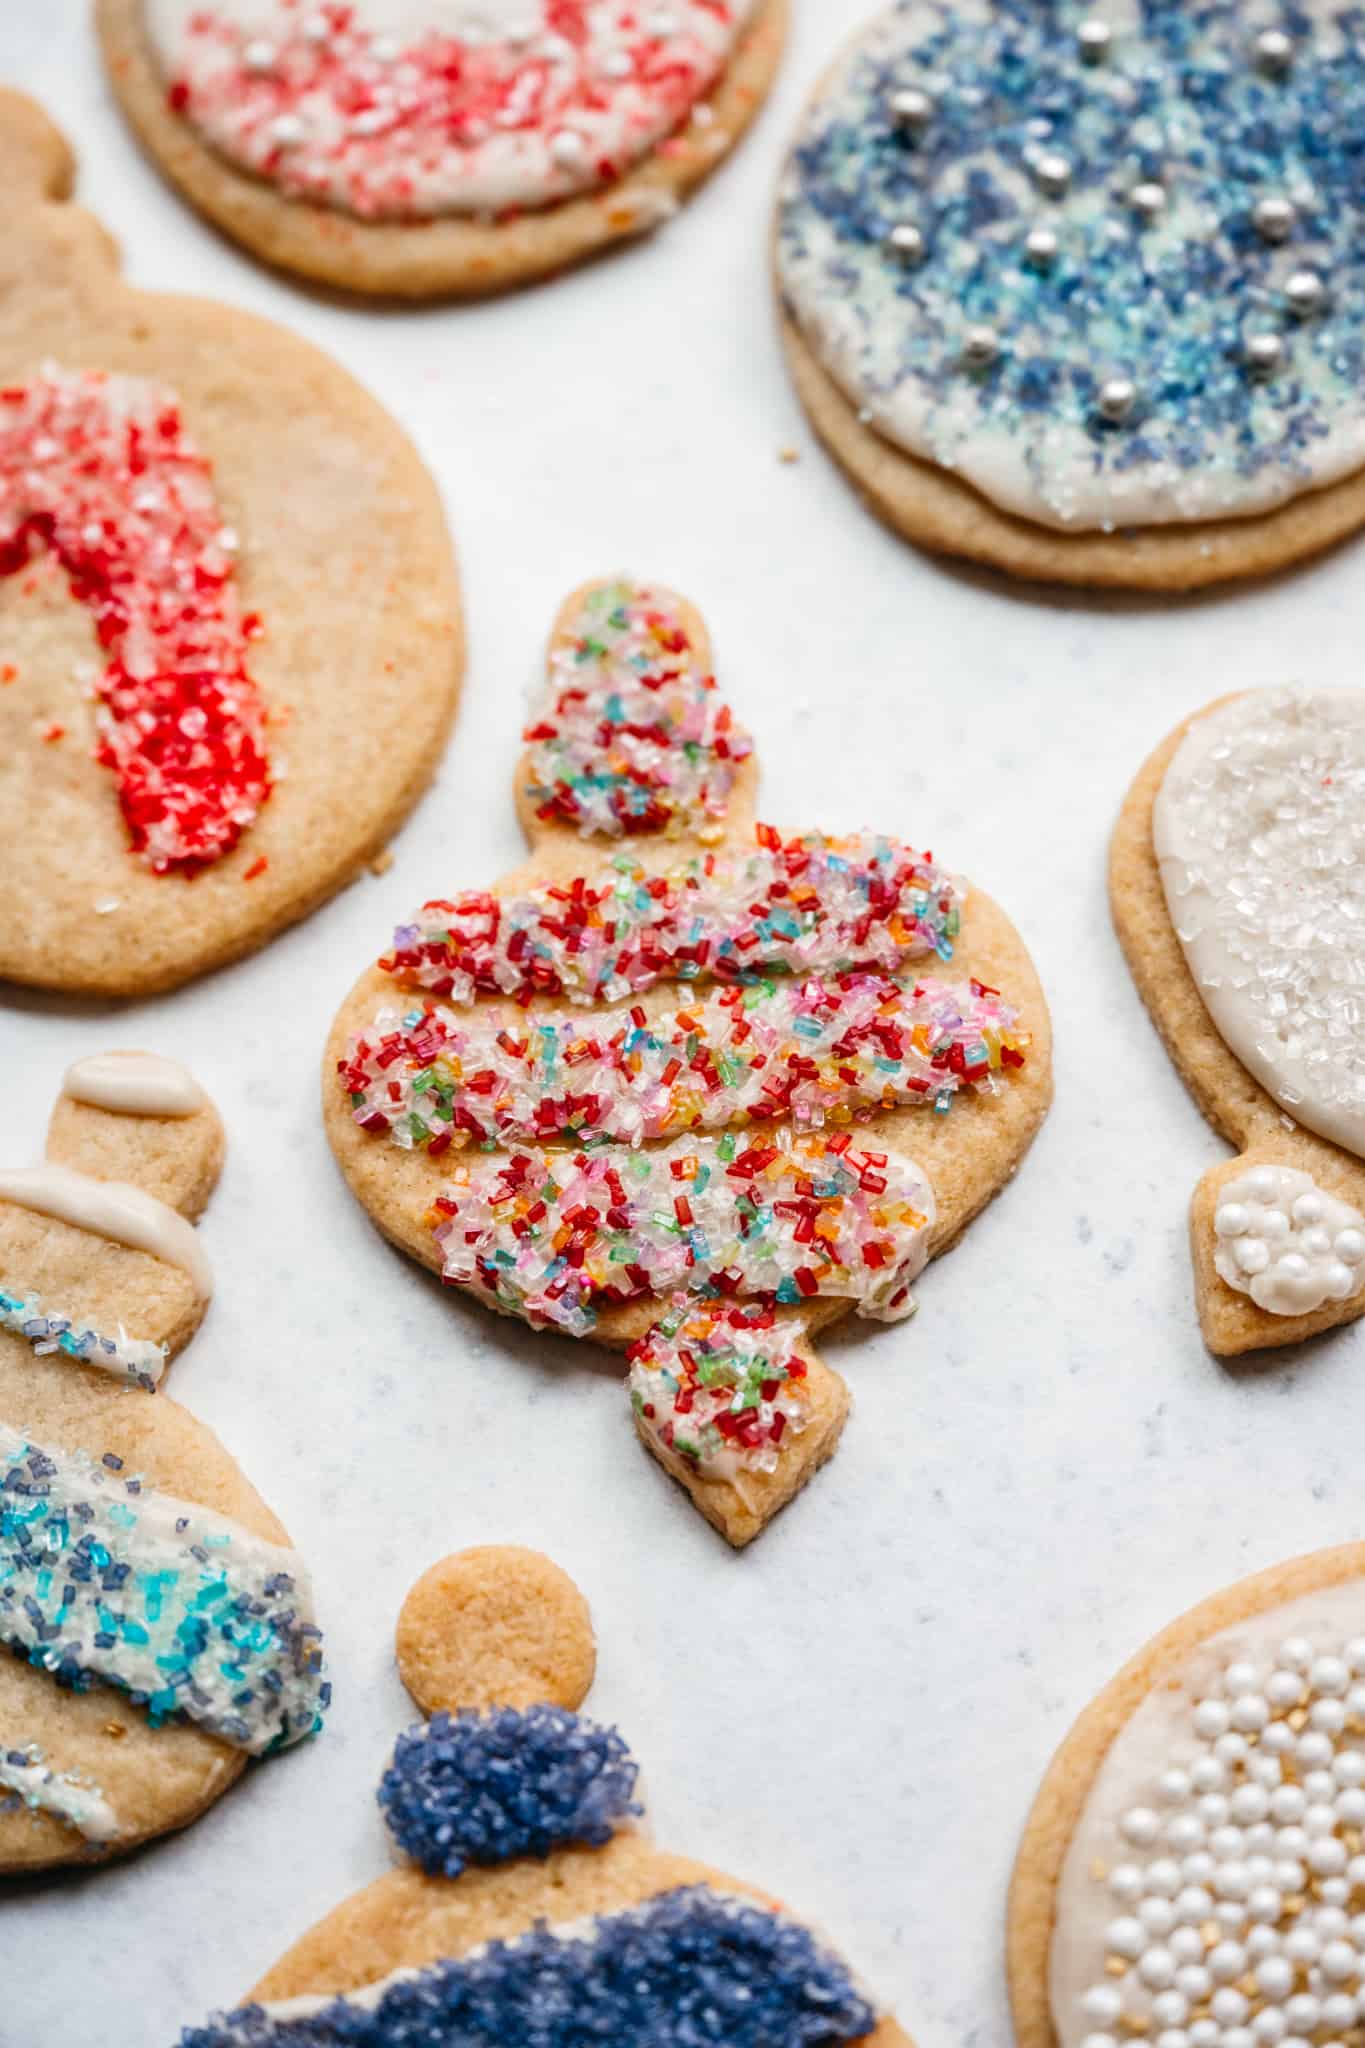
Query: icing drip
1286	1242
1259	827
485	1788
101	470
63	1793
549	1236
687	1969
397	111
1084	314
805	905
630	735
114	1209
720	1386
134	1084
105	1579
815	1051
1210	1895
134	1359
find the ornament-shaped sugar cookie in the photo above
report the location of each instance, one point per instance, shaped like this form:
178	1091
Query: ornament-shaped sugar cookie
1077	290
531	1905
229	623
161	1628
423	148
685	1083
1236	885
1191	1875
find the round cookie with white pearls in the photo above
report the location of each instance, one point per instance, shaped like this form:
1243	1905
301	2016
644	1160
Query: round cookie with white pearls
1237	894
1193	1872
1071	286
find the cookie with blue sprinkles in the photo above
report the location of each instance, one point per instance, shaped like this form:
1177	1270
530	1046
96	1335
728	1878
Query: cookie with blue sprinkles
1076	290
159	1628
534	1910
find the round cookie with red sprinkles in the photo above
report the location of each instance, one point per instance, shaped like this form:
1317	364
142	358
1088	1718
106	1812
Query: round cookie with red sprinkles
229	602
425	148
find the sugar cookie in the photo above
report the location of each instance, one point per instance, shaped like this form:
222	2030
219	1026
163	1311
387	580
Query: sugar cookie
1235	885
228	603
792	1072
1077	291
495	1627
162	1629
440	148
1190	1873
531	1896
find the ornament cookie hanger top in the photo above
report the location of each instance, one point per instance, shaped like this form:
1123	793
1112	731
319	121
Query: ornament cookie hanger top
685	1083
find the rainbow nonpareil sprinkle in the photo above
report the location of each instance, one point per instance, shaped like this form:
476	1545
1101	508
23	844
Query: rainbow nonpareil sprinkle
132	1358
552	1237
721	1385
804	905
630	735
816	1051
101	470
103	1578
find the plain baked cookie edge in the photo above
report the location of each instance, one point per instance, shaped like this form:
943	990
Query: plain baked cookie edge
941	513
1066	1785
449	257
1230	1100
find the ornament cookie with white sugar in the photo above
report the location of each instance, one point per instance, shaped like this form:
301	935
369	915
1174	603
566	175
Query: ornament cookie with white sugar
161	1627
1191	1875
1078	291
684	1083
531	1906
1237	881
430	148
227	603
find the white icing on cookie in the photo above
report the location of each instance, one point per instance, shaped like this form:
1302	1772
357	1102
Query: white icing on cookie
137	1360
410	109
1286	1242
1217	1856
134	1084
110	1208
1259	829
63	1793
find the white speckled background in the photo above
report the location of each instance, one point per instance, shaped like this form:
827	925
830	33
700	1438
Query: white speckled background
1040	1470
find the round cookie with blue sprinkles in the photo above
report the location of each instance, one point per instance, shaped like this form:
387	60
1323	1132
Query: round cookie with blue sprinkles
1078	290
533	1909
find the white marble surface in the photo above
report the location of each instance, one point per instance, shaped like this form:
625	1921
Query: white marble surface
1040	1470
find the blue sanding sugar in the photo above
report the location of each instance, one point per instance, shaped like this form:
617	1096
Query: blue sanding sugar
480	1788
689	1969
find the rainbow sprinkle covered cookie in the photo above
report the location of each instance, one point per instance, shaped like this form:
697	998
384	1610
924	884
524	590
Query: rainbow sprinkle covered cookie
1077	290
228	599
1192	1872
531	1907
687	1084
1237	879
160	1628
430	147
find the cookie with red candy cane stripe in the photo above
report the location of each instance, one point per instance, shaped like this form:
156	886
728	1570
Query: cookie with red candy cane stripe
227	598
684	1083
430	148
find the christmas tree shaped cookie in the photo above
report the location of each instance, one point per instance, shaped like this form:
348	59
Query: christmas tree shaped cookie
161	1626
684	1083
531	1906
1236	886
